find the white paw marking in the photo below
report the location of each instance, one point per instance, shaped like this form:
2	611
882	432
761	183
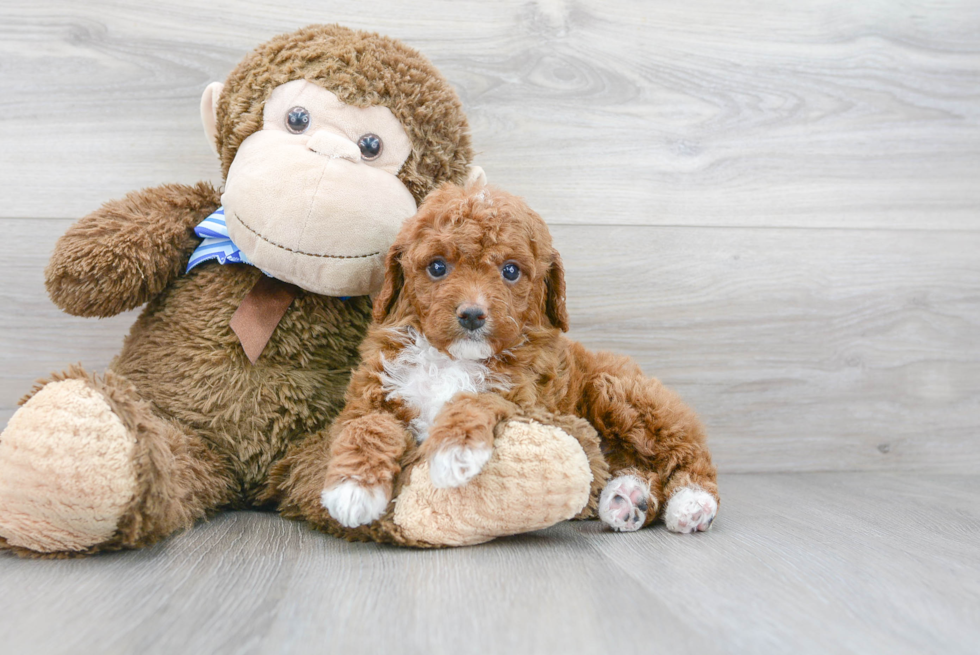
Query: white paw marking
457	465
690	509
353	505
624	503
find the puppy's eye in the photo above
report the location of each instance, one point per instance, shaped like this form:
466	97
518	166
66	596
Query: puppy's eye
298	120
510	271
437	268
371	146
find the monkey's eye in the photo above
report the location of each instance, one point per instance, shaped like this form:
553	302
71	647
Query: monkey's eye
510	271
371	146
298	120
437	268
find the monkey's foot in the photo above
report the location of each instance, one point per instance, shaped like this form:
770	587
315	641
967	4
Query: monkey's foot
536	476
67	471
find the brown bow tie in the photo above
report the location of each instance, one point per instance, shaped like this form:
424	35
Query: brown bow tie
260	312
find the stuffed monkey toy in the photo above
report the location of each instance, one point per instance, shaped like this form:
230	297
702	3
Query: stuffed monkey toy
256	300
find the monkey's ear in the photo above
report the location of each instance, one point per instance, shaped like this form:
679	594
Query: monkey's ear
209	113
555	299
394	280
476	175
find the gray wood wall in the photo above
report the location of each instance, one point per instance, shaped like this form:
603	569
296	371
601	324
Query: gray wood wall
775	207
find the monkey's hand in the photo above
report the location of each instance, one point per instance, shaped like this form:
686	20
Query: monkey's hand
126	252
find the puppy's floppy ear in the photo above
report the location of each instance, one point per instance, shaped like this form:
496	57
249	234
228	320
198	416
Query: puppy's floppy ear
392	286
554	306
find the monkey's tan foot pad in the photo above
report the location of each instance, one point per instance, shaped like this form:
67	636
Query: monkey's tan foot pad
536	477
67	471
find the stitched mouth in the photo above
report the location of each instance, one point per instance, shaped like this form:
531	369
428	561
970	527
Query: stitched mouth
294	250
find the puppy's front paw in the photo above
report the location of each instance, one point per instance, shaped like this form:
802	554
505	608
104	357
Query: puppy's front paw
690	509
353	505
624	503
454	466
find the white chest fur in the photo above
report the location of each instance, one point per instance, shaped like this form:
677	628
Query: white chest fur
426	379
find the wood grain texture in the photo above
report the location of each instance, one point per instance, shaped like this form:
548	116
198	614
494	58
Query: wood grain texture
37	338
774	207
774	210
802	563
801	349
826	113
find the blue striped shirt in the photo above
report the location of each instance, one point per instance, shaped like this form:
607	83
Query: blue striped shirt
216	244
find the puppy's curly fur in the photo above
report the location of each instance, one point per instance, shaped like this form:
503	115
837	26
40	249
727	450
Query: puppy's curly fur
474	289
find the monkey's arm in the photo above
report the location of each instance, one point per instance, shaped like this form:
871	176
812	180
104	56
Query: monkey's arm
126	252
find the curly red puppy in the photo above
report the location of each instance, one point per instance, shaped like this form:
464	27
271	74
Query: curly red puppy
468	332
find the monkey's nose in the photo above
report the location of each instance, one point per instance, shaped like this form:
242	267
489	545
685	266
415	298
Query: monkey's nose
334	146
472	317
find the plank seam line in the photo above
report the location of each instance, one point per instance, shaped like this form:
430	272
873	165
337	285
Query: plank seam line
825	228
679	226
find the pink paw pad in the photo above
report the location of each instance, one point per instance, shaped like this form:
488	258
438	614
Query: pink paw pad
624	503
690	509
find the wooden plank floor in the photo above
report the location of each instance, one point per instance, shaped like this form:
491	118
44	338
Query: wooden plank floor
801	563
774	208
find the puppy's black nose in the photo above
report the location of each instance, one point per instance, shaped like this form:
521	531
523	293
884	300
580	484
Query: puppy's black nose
471	318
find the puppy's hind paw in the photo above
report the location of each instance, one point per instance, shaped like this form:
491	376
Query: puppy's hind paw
353	505
456	465
690	509
624	503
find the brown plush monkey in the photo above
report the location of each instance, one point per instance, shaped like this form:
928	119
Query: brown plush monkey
223	390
